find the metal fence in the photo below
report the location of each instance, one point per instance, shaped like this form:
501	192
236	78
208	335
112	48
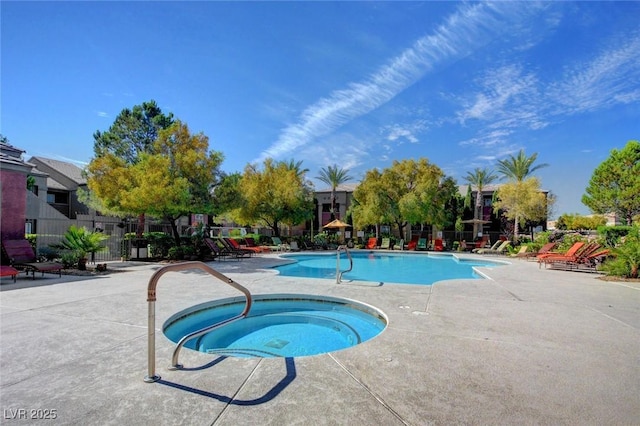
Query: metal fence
50	232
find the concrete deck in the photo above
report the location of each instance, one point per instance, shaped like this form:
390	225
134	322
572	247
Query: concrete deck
528	346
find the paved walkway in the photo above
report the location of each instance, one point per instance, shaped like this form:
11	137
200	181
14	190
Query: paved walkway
528	346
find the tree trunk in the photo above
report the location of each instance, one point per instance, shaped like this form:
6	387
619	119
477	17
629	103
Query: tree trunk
515	228
140	228
333	204
174	230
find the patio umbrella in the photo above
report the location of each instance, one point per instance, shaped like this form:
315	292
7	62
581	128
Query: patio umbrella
337	224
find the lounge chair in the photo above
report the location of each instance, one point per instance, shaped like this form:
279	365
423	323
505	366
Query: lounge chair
501	249
293	246
278	245
400	245
438	245
493	247
570	255
483	242
371	243
422	244
236	245
217	250
522	252
586	260
21	255
233	246
413	244
250	244
8	271
386	243
543	250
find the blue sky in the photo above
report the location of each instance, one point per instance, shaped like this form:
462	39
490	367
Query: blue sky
354	83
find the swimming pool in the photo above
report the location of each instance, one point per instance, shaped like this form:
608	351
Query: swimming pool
383	267
281	325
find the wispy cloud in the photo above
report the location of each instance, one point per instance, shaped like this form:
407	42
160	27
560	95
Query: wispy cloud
469	28
102	114
610	78
508	100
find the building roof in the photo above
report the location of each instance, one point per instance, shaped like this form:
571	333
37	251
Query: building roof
12	156
345	187
69	170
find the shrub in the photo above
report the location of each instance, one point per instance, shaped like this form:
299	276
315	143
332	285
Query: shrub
48	254
610	235
626	261
175	253
69	260
81	241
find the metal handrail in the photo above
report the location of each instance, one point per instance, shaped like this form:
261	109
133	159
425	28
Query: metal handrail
151	299
338	271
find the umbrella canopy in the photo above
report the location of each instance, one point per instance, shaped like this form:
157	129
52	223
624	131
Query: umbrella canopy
335	224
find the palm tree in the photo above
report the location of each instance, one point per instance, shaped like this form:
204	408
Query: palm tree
517	169
296	166
334	177
479	178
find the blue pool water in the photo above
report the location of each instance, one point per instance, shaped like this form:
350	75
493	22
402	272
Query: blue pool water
278	326
403	268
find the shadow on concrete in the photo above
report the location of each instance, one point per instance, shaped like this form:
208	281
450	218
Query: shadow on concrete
288	378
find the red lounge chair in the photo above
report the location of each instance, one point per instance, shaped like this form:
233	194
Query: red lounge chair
8	271
413	244
22	256
586	263
371	243
236	245
438	245
250	243
545	249
570	256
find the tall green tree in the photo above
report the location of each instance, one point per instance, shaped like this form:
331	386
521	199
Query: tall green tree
615	184
276	194
173	179
132	133
517	169
479	178
407	192
334	176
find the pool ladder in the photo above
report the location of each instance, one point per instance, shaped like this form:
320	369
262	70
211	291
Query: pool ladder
151	299
338	271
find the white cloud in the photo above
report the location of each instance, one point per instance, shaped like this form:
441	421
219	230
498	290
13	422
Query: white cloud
470	27
102	114
608	79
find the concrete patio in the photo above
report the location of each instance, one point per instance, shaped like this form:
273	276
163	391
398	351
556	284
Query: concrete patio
528	346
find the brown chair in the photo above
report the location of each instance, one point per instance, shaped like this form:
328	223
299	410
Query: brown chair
217	251
234	247
21	255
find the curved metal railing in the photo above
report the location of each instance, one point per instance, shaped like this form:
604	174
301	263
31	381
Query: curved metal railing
151	299
338	271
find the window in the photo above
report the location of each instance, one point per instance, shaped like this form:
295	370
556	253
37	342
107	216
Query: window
57	198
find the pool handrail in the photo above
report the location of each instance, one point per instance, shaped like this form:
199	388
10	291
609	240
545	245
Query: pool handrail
338	271
151	299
